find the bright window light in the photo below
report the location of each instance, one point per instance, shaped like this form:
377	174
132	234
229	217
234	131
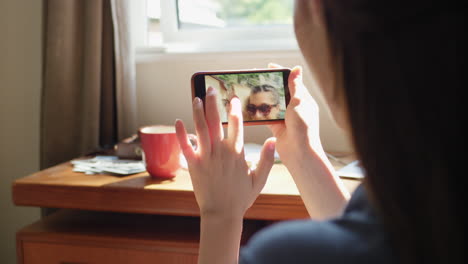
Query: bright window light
218	24
227	13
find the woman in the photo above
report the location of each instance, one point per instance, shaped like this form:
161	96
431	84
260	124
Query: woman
263	103
391	74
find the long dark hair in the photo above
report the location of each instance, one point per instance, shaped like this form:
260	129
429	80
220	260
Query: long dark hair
401	63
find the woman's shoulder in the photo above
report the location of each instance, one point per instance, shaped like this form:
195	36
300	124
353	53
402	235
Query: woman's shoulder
353	238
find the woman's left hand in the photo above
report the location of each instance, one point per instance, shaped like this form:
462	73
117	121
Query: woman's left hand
223	183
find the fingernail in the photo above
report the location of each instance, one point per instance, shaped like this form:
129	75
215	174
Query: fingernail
271	146
298	68
197	102
211	91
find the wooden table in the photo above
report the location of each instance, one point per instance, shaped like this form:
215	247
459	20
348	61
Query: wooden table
80	236
60	187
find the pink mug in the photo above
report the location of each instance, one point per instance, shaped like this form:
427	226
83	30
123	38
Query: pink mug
160	150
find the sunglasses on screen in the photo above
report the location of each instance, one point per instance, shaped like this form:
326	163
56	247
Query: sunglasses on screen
264	109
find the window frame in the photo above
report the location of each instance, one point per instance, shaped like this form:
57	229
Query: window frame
280	37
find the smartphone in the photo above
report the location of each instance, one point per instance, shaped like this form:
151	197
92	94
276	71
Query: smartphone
264	93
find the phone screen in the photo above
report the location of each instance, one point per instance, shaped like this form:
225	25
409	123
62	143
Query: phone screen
264	95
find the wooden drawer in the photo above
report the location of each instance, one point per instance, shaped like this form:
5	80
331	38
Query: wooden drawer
72	237
84	237
42	253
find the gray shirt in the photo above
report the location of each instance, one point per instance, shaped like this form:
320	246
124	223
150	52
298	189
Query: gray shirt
355	237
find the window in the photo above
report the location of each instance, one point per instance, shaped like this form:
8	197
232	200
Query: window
217	25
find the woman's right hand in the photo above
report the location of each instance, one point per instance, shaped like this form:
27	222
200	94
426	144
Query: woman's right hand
300	149
301	127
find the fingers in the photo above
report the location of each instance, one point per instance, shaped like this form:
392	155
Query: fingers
203	134
295	78
212	117
184	141
235	126
274	66
295	81
267	158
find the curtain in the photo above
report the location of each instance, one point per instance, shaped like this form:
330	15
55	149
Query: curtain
88	96
125	68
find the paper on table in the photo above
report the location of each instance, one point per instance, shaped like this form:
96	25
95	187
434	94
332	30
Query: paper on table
252	152
252	155
108	164
352	170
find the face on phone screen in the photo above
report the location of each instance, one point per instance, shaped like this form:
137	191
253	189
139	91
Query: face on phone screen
263	95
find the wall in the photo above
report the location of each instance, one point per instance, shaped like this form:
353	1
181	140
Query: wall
164	92
20	86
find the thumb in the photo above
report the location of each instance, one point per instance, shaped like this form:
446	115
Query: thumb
267	158
295	80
